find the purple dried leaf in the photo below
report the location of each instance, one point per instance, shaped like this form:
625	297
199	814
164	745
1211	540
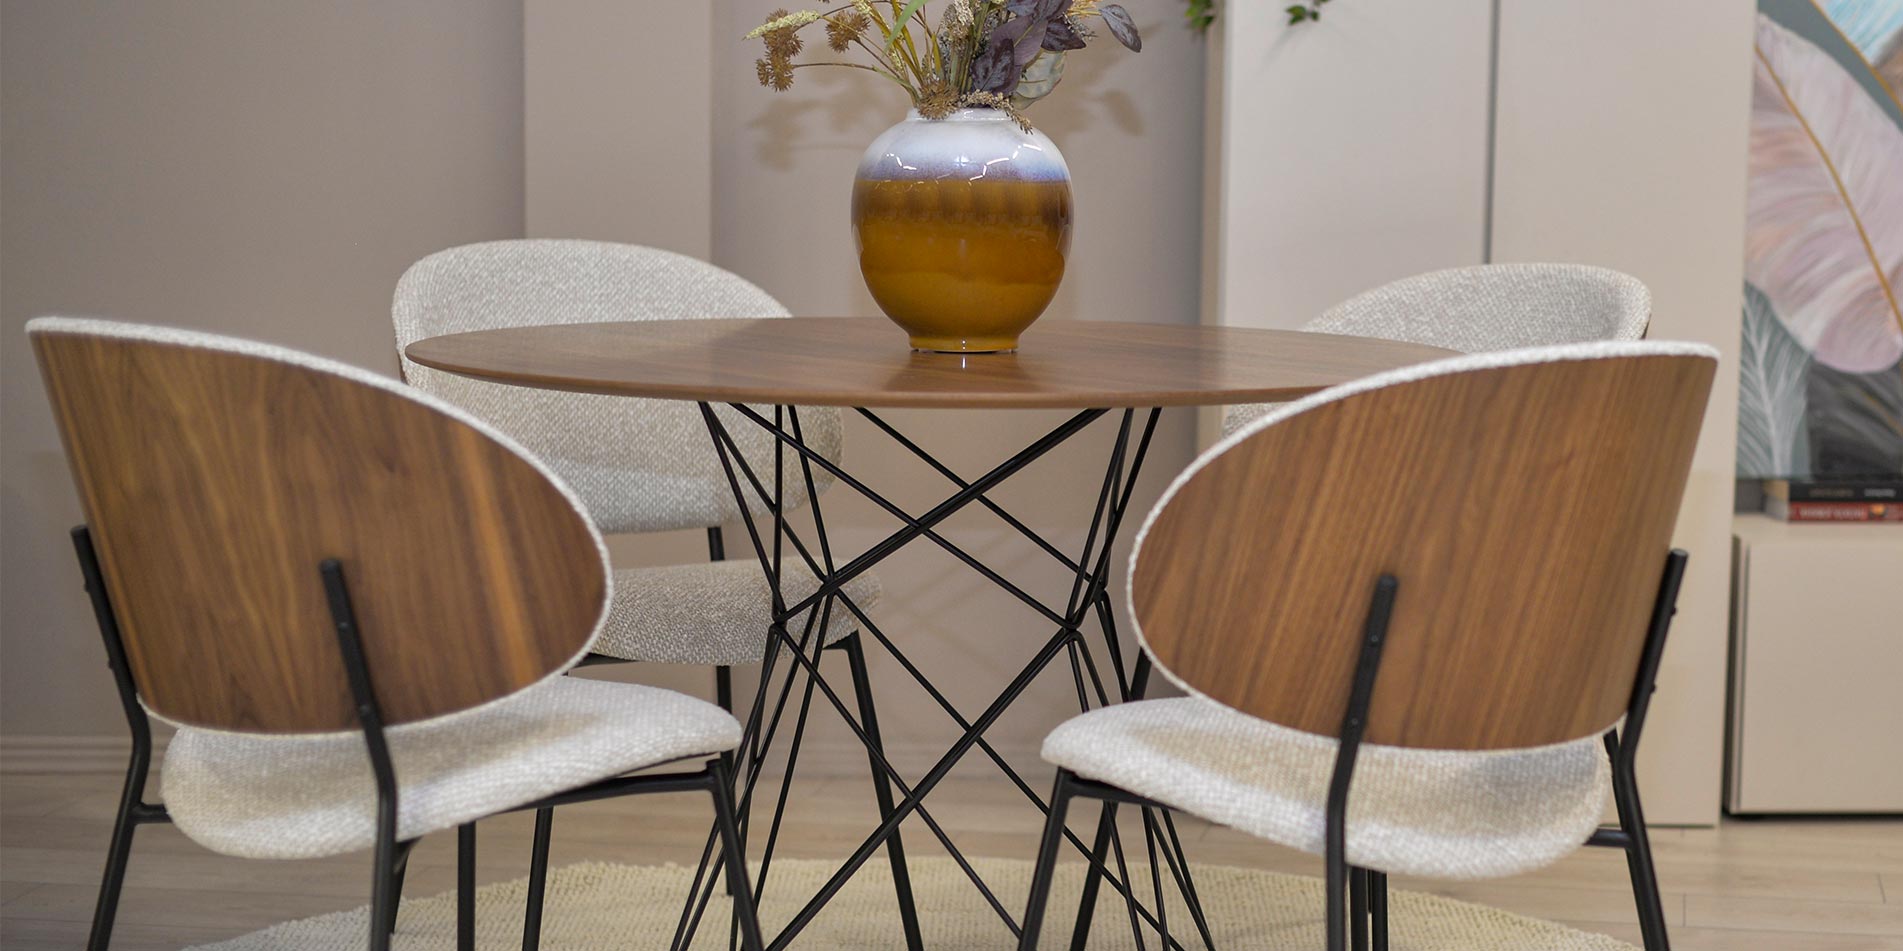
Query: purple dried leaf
1061	36
1038	9
1023	36
995	69
1121	26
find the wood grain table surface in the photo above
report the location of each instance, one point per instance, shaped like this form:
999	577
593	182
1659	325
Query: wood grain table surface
864	361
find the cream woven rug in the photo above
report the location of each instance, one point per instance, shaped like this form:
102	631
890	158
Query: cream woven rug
597	907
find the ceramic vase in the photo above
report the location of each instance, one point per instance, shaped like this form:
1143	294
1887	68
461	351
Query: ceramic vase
962	226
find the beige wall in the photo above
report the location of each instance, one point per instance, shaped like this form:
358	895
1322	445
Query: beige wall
264	169
617	122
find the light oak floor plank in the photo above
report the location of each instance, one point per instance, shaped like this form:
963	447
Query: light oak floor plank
1770	914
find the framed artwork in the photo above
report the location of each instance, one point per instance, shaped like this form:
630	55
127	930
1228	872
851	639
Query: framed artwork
1821	372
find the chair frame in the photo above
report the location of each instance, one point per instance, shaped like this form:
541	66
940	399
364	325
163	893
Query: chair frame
1357	901
391	855
723	696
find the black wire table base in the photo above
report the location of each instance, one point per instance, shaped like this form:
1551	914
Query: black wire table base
794	649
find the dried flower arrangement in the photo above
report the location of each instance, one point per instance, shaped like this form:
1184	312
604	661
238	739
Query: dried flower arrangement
997	54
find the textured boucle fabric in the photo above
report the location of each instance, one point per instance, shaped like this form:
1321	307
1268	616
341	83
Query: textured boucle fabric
1488	307
599	907
1444	813
259	796
640	465
715	612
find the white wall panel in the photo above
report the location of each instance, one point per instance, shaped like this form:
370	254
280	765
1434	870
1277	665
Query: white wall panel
1350	152
1621	142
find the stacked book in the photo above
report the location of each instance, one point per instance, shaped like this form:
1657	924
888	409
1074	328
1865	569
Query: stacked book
1846	500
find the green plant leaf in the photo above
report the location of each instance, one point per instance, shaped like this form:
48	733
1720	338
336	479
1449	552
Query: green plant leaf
1039	79
898	25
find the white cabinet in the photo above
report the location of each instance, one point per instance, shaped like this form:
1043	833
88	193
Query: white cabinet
1816	668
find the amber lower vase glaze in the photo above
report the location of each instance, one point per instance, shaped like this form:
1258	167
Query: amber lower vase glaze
963	226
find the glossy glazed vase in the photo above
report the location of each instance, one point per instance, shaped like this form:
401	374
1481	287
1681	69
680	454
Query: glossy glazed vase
962	225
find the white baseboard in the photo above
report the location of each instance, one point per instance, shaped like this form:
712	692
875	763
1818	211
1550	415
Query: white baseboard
68	754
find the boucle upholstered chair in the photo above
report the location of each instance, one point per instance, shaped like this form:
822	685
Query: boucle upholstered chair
1467	588
355	600
1487	307
640	465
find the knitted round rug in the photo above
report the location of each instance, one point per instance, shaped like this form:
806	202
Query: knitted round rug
598	907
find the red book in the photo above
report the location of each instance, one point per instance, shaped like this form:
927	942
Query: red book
1833	511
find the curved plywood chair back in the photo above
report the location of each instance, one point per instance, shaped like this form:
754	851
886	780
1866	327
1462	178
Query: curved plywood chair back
1524	500
216	476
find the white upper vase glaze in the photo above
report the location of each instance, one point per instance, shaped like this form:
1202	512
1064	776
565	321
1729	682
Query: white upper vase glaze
969	144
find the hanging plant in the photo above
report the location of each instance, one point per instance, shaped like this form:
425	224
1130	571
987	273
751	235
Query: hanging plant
1302	12
1201	13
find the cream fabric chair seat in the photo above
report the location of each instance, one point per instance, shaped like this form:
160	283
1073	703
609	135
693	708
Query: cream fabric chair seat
1442	813
714	612
306	796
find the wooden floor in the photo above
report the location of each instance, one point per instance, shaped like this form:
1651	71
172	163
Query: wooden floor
1746	886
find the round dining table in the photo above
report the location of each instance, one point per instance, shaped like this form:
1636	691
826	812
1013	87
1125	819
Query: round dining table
765	369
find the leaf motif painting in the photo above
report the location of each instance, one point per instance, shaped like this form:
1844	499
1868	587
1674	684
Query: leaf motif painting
1855	423
1875	28
1824	240
1773	377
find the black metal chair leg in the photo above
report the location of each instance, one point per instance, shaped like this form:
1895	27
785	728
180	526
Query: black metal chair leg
1337	906
882	789
118	853
1106	830
466	887
1046	862
396	883
384	888
1638	854
1358	909
1378	908
1093	877
538	880
133	809
736	857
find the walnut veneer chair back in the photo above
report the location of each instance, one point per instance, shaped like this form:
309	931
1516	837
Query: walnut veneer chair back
1524	500
640	465
218	474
